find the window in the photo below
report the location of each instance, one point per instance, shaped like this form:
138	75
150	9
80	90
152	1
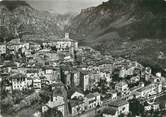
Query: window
123	108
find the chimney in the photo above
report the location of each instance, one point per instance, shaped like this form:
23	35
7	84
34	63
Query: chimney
66	35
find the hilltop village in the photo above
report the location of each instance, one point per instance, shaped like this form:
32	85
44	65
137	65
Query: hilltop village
62	79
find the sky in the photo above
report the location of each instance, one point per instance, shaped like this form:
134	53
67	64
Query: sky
64	6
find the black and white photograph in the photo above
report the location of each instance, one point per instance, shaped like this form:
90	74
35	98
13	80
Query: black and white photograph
82	58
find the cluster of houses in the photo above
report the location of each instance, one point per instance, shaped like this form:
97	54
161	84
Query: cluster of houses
66	45
53	62
80	102
116	108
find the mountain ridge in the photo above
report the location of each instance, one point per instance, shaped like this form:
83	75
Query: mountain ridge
134	29
18	18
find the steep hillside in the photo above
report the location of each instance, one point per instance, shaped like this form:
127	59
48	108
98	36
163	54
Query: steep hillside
64	20
17	18
135	29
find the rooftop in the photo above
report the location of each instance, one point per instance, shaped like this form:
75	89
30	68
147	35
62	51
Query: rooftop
118	103
75	102
92	95
33	71
110	111
120	84
146	88
72	91
111	92
17	76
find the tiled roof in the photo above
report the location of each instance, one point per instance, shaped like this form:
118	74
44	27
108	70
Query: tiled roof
91	95
72	91
75	102
118	103
17	75
110	111
121	84
32	71
146	88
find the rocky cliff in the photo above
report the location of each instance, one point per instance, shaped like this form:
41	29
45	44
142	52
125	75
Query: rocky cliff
17	18
134	29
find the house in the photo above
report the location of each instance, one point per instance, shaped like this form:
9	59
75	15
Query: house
52	73
37	114
122	88
55	102
28	53
65	45
71	77
66	77
159	87
146	73
32	73
36	83
15	45
121	106
29	82
49	55
105	75
76	106
130	71
77	95
154	106
113	94
84	80
135	79
92	100
95	76
57	99
147	91
147	108
2	48
76	77
133	94
122	73
126	71
19	81
84	104
6	85
34	46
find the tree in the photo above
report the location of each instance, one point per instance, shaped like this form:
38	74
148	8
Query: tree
52	112
135	106
6	103
54	48
45	97
121	115
5	34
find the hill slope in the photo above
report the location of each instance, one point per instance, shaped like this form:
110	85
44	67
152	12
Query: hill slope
134	29
17	18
